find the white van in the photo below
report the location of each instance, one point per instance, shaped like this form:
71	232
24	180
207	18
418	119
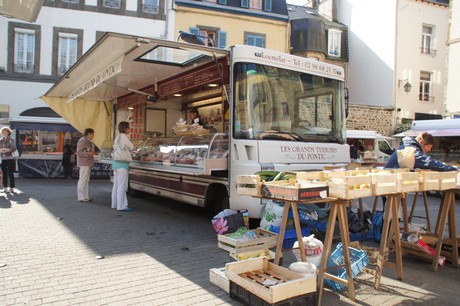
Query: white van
361	141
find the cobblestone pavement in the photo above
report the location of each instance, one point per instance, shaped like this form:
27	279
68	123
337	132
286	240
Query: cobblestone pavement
159	254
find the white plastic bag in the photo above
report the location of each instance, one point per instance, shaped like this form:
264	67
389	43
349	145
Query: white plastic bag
406	157
272	215
313	250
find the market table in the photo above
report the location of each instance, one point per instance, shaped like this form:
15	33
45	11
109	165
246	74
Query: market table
446	214
338	211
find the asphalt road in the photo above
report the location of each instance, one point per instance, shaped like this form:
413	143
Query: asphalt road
159	254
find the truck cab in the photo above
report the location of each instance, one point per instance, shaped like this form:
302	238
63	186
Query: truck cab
369	147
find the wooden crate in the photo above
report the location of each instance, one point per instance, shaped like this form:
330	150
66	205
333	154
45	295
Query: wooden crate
265	239
429	180
448	180
408	181
383	183
295	190
249	185
434	180
218	278
253	254
350	187
314	176
252	273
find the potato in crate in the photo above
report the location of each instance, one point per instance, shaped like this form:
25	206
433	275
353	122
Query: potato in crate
384	182
344	185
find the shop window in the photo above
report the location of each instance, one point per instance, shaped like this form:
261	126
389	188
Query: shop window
24	50
252	39
4	111
268	6
114	4
67	54
150	6
67	49
428	40
333	41
255	4
425	87
211	36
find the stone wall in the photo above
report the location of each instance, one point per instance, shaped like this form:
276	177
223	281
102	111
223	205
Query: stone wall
373	118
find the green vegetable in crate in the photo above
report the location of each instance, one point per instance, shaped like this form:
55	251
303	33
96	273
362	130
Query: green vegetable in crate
266	175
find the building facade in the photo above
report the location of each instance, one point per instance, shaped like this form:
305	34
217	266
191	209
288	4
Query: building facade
35	55
397	60
262	23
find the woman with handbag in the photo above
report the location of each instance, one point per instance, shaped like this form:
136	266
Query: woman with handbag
120	166
9	153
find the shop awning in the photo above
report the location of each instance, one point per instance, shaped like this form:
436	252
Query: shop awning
26	10
435	133
115	66
437	128
41	123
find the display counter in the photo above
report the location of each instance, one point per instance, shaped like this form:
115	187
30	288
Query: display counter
49	165
186	154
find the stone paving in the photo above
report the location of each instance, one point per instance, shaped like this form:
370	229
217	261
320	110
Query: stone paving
159	254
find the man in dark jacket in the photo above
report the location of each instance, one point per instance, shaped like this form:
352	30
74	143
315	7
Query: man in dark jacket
423	144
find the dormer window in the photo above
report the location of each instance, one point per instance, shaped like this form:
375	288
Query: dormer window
334	39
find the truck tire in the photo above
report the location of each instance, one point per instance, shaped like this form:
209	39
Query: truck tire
133	193
220	201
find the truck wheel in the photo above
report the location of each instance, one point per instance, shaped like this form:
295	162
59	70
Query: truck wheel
221	201
133	193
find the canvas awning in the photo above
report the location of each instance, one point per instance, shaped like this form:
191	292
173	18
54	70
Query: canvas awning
41	123
117	65
437	128
26	10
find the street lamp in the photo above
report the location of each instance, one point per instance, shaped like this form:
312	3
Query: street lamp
407	87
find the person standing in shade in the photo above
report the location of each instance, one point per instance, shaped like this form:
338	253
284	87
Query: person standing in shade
195	117
120	170
7	146
67	162
85	160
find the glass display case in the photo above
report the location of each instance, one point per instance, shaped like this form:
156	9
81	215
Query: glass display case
207	152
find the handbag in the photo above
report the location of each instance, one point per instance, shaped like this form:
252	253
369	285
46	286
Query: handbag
229	221
15	154
121	154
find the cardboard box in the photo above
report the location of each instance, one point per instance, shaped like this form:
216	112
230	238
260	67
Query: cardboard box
414	241
295	190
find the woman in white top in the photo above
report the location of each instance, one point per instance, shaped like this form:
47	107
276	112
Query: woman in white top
120	170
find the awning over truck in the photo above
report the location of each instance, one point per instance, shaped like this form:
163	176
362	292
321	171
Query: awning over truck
115	66
437	128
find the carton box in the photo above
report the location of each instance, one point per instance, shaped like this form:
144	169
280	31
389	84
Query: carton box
415	242
295	190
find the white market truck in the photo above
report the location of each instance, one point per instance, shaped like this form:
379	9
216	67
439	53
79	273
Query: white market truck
264	110
367	140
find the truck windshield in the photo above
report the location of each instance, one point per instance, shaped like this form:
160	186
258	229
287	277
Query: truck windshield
279	104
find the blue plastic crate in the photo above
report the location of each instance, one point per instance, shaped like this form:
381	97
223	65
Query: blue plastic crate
305	219
368	235
336	265
290	236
